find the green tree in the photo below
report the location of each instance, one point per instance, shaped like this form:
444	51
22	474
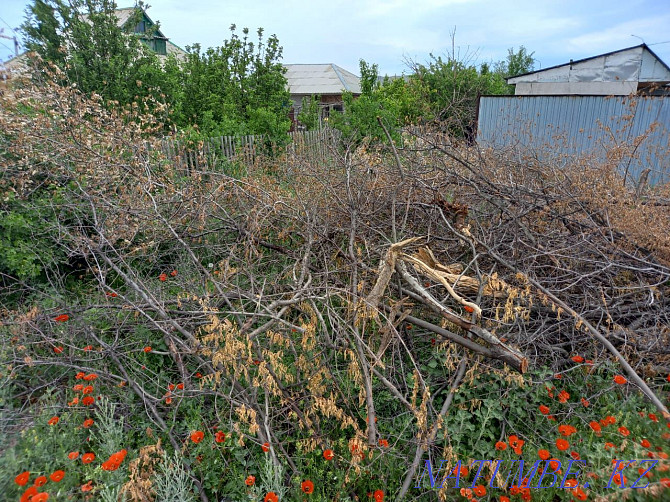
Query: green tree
82	39
237	88
310	114
519	62
397	102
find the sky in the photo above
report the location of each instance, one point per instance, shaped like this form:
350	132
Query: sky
396	33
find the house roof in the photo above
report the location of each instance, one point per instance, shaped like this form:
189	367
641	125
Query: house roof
124	14
308	79
638	63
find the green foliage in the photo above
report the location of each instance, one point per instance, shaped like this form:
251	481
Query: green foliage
453	89
310	114
237	88
83	40
396	102
519	62
171	482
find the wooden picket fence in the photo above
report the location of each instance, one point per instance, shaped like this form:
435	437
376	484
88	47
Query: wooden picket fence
247	149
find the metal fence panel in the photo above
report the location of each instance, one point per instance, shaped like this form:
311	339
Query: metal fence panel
631	131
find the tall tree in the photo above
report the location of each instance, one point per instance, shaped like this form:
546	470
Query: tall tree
519	62
237	88
82	38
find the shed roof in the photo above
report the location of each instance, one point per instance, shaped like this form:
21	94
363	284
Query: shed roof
638	63
308	79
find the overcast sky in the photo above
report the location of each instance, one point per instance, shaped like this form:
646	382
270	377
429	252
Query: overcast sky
391	32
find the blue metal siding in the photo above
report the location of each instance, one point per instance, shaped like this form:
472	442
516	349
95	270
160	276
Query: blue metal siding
557	126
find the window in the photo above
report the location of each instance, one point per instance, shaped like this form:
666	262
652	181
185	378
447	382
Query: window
161	48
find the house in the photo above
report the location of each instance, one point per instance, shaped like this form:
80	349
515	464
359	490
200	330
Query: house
613	108
152	37
328	81
635	70
148	33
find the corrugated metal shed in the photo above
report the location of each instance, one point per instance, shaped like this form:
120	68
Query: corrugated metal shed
614	73
555	127
323	79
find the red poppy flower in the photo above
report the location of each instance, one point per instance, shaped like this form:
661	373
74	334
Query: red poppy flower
80	375
645	443
88	348
250	480
562	444
463	472
624	431
87	401
383	443
563	396
620	379
502	498
500	446
173	273
88	422
328	454
111	294
58	350
90	377
544	409
618	478
378	496
595	426
87	390
40	497
73	455
641	470
514	441
87	458
197	436
180	386
575	455
468	309
110	465
220	436
62	318
479	490
87	487
271	497
22	478
566	430
577	359
653	417
266	447
53	420
585	403
147	349
40	481
57	476
543	454
307	487
579	493
163	277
